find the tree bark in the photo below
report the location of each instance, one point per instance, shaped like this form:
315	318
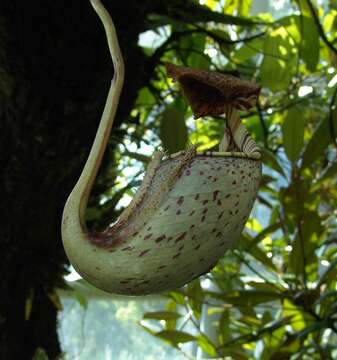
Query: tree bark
55	71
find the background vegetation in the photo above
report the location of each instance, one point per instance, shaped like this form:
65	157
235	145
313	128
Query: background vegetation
274	295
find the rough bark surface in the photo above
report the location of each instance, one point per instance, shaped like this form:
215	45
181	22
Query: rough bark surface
55	71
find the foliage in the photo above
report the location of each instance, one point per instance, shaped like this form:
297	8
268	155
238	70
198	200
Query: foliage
274	295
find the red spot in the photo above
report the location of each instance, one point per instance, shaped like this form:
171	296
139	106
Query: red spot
205	202
144	252
215	194
180	200
147	236
160	238
181	237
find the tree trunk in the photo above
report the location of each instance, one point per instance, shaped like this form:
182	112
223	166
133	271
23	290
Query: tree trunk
55	71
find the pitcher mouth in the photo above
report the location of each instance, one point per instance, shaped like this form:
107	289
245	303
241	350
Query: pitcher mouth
233	154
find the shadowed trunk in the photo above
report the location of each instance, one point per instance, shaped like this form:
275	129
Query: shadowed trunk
55	71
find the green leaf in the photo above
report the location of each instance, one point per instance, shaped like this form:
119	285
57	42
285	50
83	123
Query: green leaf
293	132
224	329
195	297
162	315
175	337
242	7
178	296
329	172
206	345
329	273
261	256
276	70
309	49
197	58
270	160
265	232
264	286
303	31
81	298
171	306
319	141
299	318
248	50
297	256
173	130
248	298
40	354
